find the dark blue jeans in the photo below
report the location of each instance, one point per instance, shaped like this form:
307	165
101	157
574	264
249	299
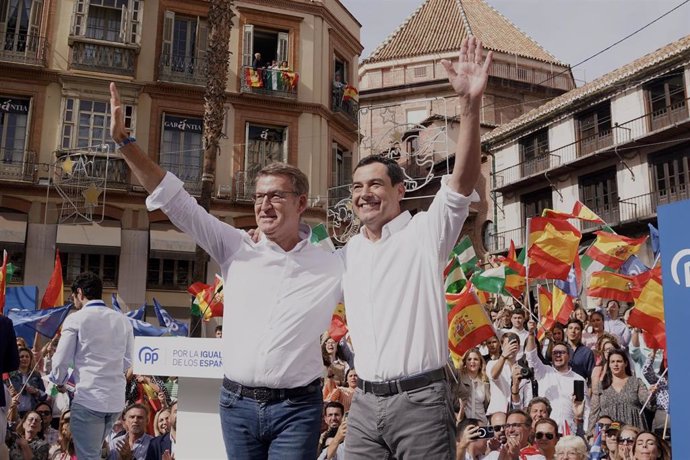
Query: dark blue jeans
287	429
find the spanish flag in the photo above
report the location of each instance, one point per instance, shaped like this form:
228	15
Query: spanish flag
253	78
607	285
208	299
290	79
561	305
3	280
613	250
580	211
350	93
648	312
552	248
545	312
55	291
338	327
515	273
468	324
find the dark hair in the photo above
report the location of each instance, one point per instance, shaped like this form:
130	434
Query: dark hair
219	328
510	336
543	401
519	311
547	421
661	445
574	321
608	377
464	423
90	284
528	419
596	312
395	172
335	404
135	406
300	183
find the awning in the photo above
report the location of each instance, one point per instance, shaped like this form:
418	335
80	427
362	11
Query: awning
12	227
169	239
104	234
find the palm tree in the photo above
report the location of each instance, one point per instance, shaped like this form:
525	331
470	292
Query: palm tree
220	14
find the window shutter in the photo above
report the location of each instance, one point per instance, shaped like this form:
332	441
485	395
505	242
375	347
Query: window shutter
347	168
166	49
81	10
35	19
134	35
4	6
124	24
201	38
248	45
282	51
68	118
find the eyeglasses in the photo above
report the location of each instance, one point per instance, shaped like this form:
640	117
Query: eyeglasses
542	434
559	352
277	196
514	425
498	427
624	441
43	412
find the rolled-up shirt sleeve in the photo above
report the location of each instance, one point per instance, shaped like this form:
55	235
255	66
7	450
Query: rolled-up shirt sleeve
64	355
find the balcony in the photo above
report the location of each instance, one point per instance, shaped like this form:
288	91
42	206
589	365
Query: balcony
610	214
645	206
96	56
18	165
187	172
591	144
499	242
183	69
23	48
85	165
269	82
342	104
669	115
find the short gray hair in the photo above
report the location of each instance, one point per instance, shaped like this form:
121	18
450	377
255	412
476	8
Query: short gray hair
572	443
300	183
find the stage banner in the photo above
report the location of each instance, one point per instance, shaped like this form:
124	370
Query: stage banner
178	356
675	266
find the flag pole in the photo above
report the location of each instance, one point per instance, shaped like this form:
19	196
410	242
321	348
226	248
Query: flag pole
651	393
527	232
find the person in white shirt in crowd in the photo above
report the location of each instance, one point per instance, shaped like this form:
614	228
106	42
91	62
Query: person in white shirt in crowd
134	443
517	447
504	377
393	290
280	294
517	320
556	383
615	325
469	446
98	342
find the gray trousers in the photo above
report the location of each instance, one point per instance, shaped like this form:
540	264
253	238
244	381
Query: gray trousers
410	425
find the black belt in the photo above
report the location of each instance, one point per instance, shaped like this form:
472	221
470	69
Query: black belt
265	394
393	387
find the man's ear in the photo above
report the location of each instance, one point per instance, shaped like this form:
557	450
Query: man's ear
303	203
401	190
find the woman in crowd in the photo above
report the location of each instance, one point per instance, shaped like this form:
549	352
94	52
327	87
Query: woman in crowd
546	437
337	364
161	422
649	447
571	448
626	440
621	394
64	450
594	331
557	334
48	433
344	394
34	391
473	391
28	444
581	314
605	344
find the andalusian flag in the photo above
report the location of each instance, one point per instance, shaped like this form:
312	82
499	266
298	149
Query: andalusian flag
468	324
453	276
545	312
613	250
253	78
3	280
319	237
338	327
464	252
491	280
208	299
561	305
552	248
648	312
54	295
607	285
350	93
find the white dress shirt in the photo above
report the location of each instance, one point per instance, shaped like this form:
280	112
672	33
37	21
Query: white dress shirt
618	328
98	341
394	295
277	303
558	388
501	389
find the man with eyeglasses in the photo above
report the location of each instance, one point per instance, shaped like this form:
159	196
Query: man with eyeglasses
556	383
518	429
280	294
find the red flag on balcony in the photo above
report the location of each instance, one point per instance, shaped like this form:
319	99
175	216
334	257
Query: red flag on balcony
350	93
253	78
290	79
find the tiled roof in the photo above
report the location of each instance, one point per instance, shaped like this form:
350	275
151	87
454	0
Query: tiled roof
439	26
616	78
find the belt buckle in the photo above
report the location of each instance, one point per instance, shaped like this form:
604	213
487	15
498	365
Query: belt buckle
262	394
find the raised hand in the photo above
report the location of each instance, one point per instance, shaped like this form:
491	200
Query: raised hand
472	73
117	117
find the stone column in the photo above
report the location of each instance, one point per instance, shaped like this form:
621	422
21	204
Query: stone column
134	254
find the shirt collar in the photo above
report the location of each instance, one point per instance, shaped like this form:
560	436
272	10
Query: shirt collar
304	235
95	303
398	223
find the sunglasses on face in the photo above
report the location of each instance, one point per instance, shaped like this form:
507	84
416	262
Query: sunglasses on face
43	412
626	441
541	435
498	427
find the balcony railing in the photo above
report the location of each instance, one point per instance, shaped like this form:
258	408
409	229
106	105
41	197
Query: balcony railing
23	48
611	215
183	69
645	206
17	165
499	242
621	133
270	82
92	165
347	107
188	173
244	187
100	57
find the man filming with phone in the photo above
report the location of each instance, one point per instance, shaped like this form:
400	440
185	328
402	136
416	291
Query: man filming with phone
563	387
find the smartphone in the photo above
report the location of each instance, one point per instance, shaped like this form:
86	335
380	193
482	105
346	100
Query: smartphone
579	390
484	432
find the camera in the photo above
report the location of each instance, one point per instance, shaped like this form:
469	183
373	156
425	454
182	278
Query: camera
526	373
484	432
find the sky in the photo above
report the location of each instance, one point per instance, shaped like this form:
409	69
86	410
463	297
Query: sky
571	30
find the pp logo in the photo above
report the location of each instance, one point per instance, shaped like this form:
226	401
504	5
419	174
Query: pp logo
148	355
679	277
